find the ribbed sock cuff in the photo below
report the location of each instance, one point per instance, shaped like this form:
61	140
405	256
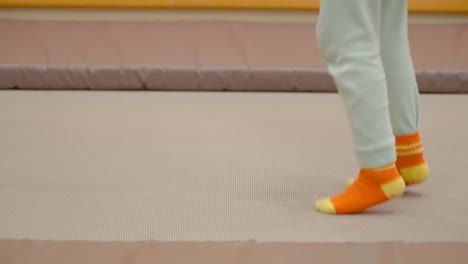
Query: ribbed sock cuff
408	139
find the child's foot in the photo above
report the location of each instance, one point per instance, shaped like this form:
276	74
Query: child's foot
372	187
410	161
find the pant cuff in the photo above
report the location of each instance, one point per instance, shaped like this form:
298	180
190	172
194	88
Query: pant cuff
377	158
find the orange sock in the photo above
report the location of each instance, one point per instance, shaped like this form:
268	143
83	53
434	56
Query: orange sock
410	161
372	187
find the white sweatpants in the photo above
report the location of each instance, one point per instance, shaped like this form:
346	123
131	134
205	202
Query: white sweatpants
365	44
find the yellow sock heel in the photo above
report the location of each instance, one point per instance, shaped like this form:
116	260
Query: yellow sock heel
416	174
394	189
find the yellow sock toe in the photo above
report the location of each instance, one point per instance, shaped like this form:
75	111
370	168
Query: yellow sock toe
325	206
350	181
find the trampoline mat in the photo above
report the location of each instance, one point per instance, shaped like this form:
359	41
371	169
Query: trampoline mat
213	177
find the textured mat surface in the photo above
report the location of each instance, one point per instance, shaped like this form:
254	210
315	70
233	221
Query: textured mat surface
211	166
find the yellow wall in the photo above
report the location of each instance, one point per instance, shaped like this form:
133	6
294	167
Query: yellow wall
414	5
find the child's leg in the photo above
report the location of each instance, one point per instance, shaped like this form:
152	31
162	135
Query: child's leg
403	94
349	39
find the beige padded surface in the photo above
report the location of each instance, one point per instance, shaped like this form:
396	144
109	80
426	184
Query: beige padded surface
210	166
232	252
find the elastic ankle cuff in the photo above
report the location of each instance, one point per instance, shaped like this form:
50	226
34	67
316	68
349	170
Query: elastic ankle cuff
408	139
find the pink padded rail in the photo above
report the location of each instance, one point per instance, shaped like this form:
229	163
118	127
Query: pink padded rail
201	56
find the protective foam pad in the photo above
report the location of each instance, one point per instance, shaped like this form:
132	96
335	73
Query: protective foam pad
201	56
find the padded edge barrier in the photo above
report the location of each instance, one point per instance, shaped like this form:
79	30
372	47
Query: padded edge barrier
247	252
214	56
